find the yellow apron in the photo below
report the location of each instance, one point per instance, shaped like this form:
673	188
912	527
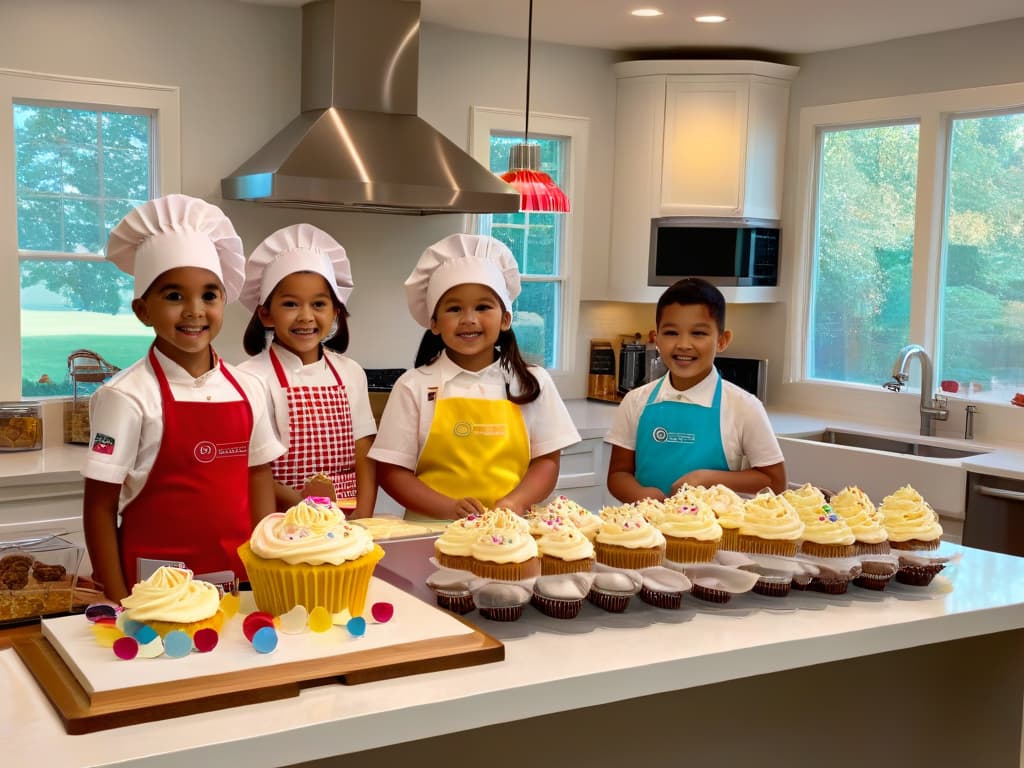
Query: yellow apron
476	447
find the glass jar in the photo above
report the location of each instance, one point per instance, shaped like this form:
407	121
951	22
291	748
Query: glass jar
21	426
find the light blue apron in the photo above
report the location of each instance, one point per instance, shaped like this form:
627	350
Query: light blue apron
674	438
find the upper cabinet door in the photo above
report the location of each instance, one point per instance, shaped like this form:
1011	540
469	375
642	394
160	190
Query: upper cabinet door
705	146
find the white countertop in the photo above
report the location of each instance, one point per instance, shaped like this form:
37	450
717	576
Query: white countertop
550	666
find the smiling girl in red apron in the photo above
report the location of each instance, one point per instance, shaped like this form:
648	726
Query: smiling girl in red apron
297	283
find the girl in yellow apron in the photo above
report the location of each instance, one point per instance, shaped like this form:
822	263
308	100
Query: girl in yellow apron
472	426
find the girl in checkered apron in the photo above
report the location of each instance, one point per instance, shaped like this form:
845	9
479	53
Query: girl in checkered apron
297	282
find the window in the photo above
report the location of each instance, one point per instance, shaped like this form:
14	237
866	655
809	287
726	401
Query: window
911	233
860	296
81	155
982	310
544	315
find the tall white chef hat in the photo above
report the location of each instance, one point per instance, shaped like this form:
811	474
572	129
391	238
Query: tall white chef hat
177	231
456	260
297	248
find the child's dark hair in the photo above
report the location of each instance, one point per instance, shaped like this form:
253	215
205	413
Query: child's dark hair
255	339
506	350
693	290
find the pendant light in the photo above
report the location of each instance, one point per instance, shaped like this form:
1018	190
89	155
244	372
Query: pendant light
538	190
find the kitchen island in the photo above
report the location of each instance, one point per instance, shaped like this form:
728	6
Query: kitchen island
908	676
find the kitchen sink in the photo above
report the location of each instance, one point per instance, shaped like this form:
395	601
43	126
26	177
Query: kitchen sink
908	447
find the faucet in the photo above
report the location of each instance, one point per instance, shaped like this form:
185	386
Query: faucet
932	409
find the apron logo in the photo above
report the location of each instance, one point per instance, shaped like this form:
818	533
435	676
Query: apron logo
466	429
205	452
662	435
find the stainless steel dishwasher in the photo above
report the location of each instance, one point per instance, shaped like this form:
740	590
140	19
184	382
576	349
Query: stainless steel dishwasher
994	516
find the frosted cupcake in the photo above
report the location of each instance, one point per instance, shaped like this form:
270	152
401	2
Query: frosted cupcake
870	537
565	550
452	547
913	526
728	508
544	520
770	526
310	556
505	554
627	540
826	534
692	532
587	522
505	519
651	509
171	599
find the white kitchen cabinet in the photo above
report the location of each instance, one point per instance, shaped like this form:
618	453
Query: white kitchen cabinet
693	138
583	474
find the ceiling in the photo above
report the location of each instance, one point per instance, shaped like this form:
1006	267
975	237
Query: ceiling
776	26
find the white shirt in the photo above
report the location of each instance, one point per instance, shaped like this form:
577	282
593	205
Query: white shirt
128	409
313	375
746	431
405	424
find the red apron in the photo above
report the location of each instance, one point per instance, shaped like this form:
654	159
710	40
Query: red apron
320	437
194	506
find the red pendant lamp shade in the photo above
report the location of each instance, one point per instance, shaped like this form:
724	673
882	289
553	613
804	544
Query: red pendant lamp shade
538	191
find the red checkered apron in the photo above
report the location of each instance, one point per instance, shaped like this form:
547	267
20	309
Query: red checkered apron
320	435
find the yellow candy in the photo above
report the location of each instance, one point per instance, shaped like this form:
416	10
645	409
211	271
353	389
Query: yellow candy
320	619
229	605
294	622
106	634
342	617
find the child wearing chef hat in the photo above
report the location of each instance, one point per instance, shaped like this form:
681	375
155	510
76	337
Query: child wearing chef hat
297	283
472	426
181	442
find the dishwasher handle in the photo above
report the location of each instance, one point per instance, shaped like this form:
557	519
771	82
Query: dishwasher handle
999	493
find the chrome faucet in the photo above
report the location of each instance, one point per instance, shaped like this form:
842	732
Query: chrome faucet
932	408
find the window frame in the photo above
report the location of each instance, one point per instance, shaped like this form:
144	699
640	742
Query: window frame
161	101
934	112
485	121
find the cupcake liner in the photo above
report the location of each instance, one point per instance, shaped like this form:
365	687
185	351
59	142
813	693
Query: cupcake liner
683	550
867	548
613	602
553	566
709	594
623	557
776	547
815	549
773	586
460	602
730	538
872	581
915	545
918	575
658	599
163	628
508	613
456	562
830	586
557	608
277	587
485	569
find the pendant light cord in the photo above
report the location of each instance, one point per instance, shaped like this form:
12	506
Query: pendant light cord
529	56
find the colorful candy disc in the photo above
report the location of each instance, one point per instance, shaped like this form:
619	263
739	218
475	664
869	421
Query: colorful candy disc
265	640
126	648
98	611
382	612
128	626
320	619
144	634
177	644
106	634
293	622
152	649
255	621
205	639
356	627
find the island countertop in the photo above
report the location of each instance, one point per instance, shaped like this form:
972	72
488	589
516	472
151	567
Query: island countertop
551	666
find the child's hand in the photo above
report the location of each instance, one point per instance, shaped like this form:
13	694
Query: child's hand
696	477
464	508
652	493
508	502
319	485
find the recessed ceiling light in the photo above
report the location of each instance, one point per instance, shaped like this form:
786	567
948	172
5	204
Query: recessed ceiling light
647	12
710	19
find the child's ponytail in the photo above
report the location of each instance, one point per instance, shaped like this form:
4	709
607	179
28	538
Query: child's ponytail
255	339
512	360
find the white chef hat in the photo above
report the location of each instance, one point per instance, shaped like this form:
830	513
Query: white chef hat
177	231
297	248
456	260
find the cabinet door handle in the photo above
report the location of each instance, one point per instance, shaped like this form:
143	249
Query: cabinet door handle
999	493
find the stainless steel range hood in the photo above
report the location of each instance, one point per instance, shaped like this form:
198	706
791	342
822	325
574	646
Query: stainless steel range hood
358	143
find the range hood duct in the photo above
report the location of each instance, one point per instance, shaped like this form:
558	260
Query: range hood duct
358	144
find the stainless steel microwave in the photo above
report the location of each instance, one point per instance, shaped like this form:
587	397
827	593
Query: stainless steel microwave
722	251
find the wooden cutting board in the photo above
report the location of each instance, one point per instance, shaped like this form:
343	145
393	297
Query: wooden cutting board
86	704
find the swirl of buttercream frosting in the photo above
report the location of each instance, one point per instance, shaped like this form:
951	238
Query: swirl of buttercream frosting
909	516
312	533
171	594
768	516
626	527
504	545
857	509
566	543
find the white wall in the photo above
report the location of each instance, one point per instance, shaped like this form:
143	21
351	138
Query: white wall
238	68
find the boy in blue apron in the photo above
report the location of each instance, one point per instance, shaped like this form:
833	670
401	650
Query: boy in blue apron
690	426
